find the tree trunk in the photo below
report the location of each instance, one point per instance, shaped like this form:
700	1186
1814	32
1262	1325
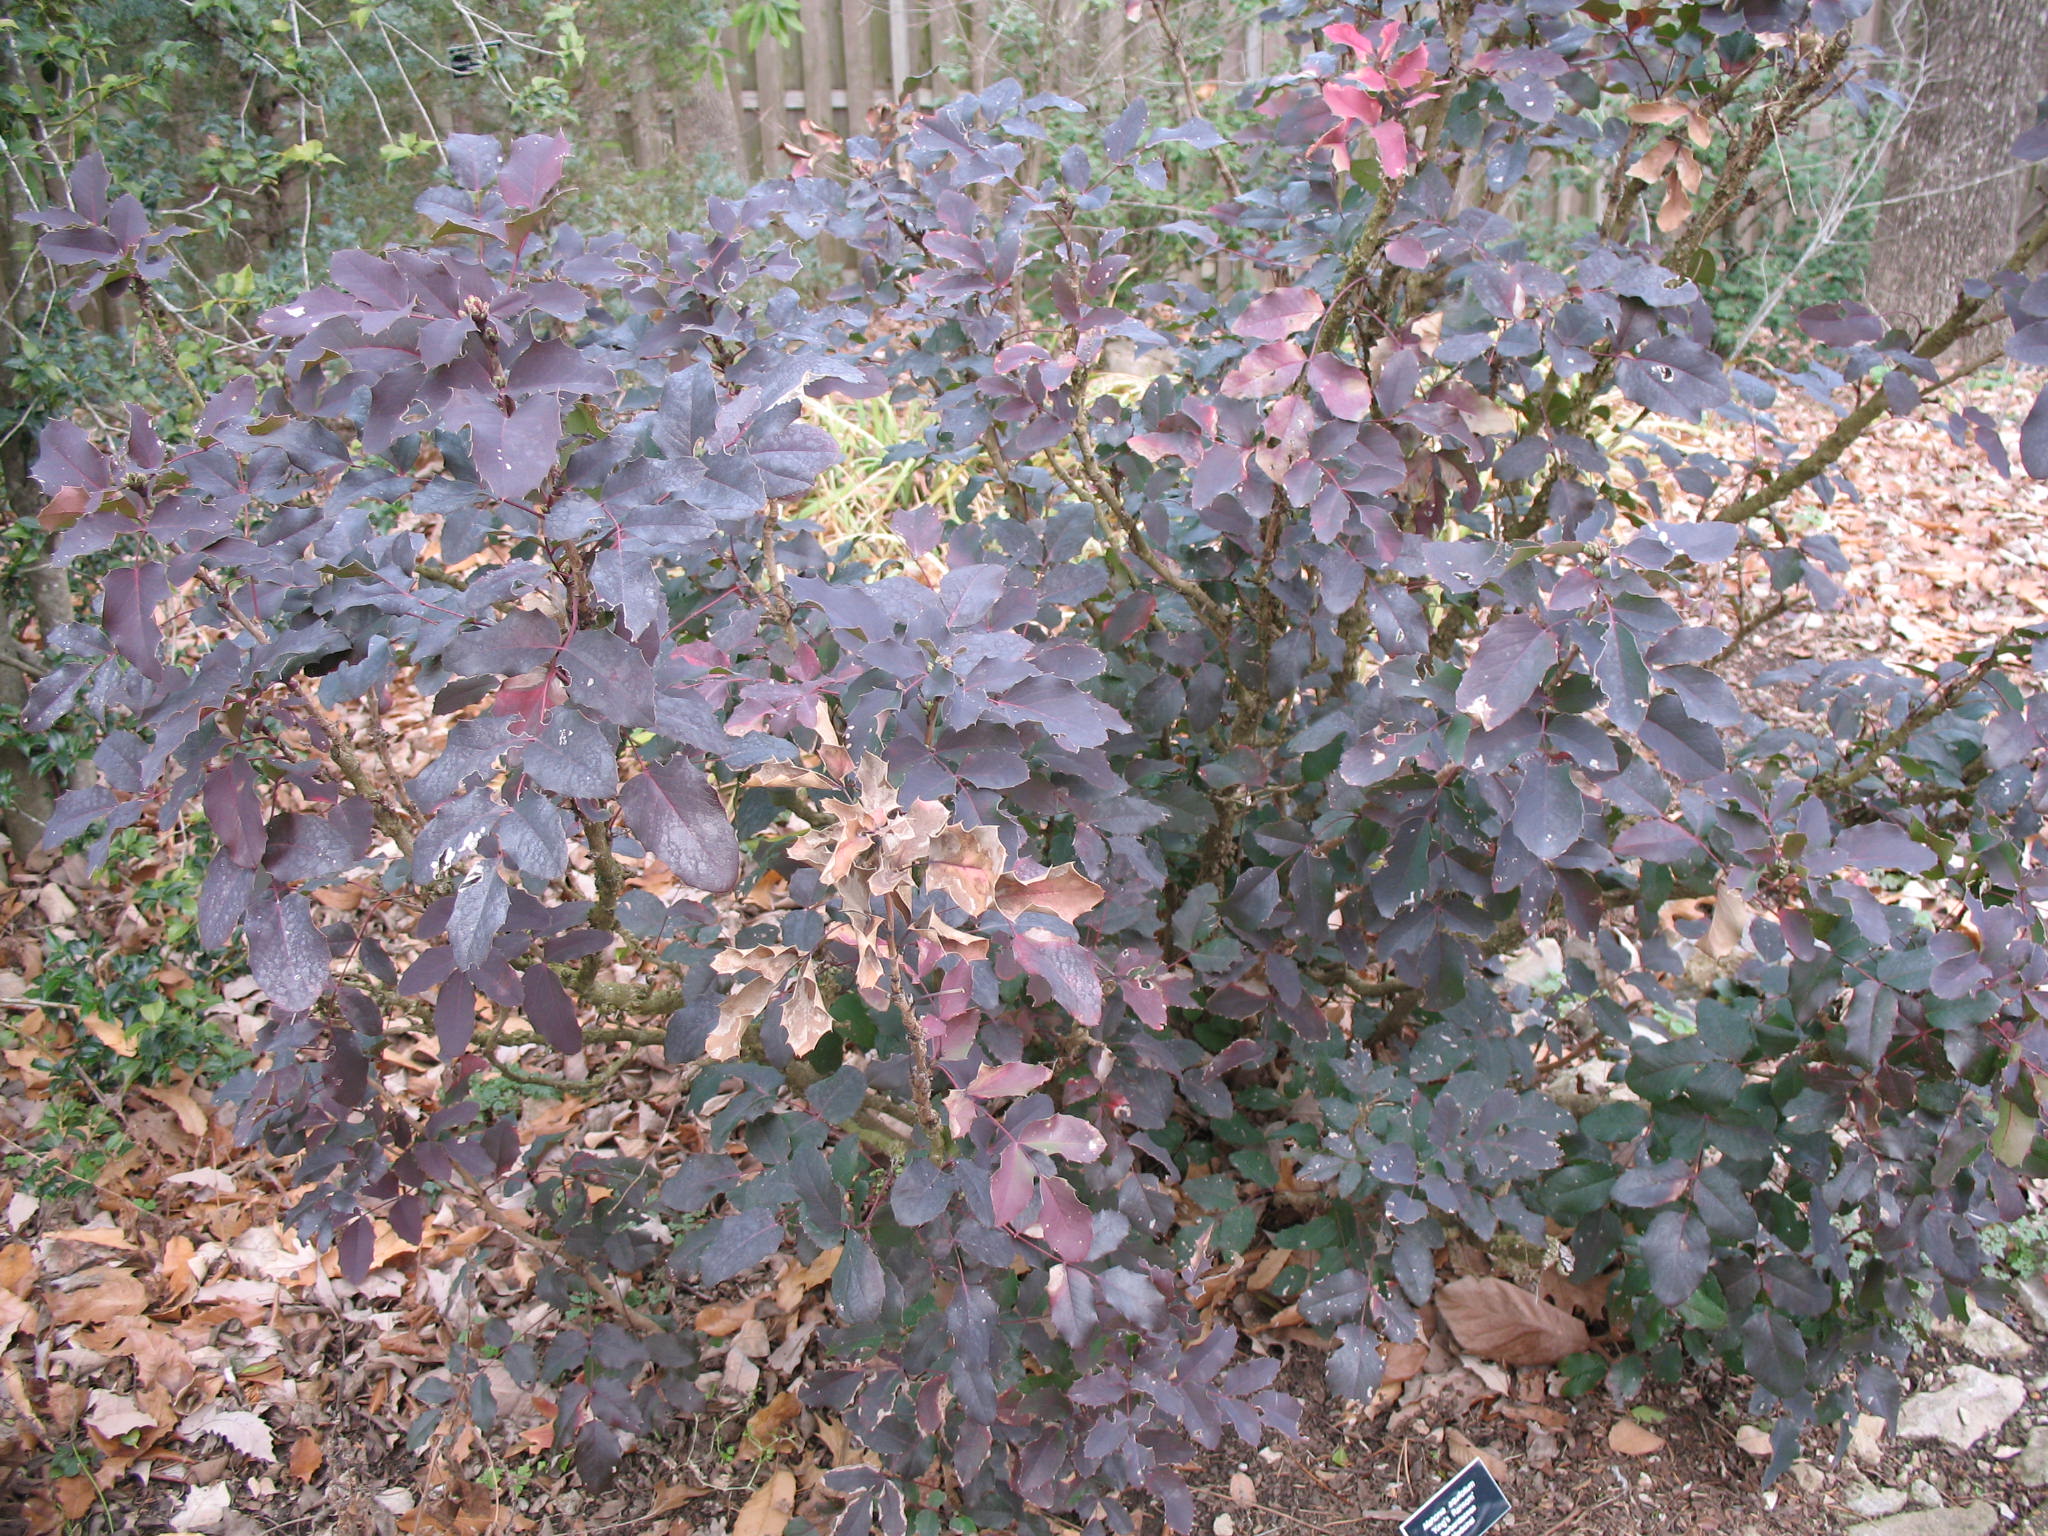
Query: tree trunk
1953	191
38	594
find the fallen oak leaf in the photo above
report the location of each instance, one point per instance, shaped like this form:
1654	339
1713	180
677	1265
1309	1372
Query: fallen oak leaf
243	1430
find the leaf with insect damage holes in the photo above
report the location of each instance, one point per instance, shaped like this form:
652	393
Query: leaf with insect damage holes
573	756
1674	377
1508	665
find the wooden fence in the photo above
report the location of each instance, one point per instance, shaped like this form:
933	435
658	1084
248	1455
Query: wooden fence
854	55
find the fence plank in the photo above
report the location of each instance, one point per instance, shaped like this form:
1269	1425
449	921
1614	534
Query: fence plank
815	46
899	47
858	30
772	120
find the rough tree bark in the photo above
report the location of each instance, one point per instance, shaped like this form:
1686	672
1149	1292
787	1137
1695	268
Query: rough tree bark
37	597
1953	192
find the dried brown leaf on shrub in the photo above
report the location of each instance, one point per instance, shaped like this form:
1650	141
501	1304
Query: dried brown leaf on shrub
1063	891
1498	1321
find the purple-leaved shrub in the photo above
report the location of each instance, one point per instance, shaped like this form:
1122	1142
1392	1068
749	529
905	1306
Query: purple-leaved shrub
1155	820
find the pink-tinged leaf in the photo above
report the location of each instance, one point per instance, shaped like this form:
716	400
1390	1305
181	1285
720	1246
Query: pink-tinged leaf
129	599
454	1017
558	368
1065	1136
1146	1000
90	182
1262	371
1407	251
1278	315
1510	662
532	169
1007	1079
1222	468
550	1011
1068	1224
1348	36
1345	391
287	955
1392	143
1351	104
1011	1188
234	813
1158	445
1411	69
1659	841
1065	967
672	810
69	458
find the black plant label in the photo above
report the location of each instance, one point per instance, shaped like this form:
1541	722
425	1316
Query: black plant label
1470	1504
